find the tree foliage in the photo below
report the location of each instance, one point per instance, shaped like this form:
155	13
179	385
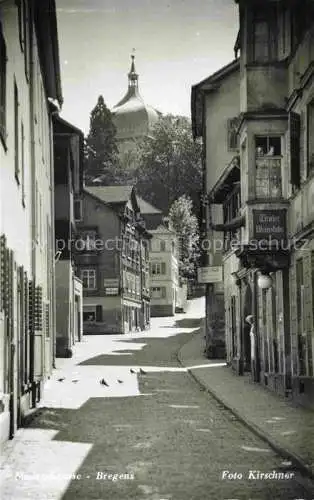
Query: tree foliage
169	163
101	151
185	224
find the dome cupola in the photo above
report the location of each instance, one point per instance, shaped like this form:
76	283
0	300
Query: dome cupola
132	117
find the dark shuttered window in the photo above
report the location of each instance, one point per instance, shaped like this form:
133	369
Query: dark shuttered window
294	140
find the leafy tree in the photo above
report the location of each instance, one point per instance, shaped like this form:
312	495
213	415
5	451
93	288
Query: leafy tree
101	152
185	224
169	163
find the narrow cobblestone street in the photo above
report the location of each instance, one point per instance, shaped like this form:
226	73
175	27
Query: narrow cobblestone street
149	435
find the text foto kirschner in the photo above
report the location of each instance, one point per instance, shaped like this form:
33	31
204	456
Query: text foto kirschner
256	475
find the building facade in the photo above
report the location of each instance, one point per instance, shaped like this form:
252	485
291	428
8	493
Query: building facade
29	81
164	271
113	262
268	268
168	292
68	177
216	106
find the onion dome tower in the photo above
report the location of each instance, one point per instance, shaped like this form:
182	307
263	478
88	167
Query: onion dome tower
132	117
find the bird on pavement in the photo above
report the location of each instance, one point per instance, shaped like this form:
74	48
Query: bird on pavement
74	381
132	371
103	382
142	372
120	381
61	379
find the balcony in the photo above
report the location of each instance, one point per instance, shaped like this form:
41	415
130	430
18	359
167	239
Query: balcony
268	178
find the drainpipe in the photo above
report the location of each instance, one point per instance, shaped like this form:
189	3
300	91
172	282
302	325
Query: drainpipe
33	193
52	284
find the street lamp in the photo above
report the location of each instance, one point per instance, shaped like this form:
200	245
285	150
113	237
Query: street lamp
264	281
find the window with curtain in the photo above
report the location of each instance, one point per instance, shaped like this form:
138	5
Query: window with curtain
268	167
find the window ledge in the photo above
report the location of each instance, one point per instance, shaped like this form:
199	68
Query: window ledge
262	64
257	201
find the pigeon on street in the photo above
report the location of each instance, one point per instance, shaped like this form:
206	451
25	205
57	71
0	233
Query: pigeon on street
61	379
103	382
132	371
142	372
120	381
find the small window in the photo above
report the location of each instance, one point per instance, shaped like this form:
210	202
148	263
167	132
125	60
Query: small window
267	146
265	33
158	268
158	292
89	314
87	241
233	142
88	277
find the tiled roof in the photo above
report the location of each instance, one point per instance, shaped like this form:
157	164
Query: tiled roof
146	207
111	194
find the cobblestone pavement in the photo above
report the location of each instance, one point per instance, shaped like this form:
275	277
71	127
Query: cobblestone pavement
166	440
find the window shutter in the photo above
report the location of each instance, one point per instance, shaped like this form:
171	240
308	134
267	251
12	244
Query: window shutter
302	145
294	142
163	268
26	330
38	302
163	292
99	313
3	62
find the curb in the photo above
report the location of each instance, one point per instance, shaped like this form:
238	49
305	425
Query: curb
280	450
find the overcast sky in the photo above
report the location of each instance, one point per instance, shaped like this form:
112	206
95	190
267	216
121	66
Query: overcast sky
177	43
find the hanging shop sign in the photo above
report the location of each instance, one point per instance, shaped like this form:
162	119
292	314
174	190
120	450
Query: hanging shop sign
269	224
210	274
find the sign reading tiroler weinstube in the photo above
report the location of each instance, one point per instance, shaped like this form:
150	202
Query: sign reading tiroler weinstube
269	224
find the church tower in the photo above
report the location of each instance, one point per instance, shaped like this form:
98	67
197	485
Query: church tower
132	117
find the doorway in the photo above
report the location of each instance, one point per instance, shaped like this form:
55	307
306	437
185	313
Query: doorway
246	311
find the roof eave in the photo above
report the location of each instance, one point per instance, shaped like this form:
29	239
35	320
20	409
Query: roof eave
209	84
230	174
47	39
